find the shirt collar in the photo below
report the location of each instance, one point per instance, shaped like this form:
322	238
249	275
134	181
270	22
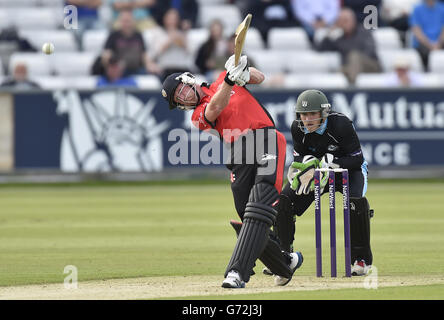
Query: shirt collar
319	130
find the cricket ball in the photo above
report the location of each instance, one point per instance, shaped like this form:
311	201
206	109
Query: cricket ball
48	48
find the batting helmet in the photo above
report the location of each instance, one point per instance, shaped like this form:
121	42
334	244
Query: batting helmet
172	82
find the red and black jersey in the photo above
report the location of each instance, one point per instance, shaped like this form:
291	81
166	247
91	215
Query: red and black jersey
243	112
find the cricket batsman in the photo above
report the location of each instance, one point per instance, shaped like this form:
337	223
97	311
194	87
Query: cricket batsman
325	139
228	109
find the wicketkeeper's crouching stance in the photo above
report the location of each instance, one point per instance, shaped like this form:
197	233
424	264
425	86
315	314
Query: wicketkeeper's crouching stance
325	139
228	109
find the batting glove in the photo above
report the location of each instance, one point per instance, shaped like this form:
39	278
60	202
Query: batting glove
238	74
187	78
243	78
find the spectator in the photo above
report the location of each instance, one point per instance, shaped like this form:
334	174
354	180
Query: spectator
20	79
127	44
268	14
355	44
427	22
395	14
188	11
11	42
141	10
170	45
358	7
212	54
114	75
314	15
403	76
87	16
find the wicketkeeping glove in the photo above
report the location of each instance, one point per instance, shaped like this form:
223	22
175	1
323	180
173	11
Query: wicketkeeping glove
327	161
239	74
300	174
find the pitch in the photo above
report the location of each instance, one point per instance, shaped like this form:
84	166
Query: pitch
173	240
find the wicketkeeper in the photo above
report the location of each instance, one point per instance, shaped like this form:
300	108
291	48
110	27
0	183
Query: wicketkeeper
325	139
227	109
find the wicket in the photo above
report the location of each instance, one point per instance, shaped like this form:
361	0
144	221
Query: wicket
346	204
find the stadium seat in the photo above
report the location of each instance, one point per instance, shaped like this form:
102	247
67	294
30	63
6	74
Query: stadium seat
433	80
51	83
213	2
254	40
148	82
269	61
79	63
315	80
94	40
50	3
63	40
83	83
371	80
4	19
17	3
229	14
38	64
195	38
334	60
379	80
310	61
148	37
387	58
2	71
436	61
36	18
288	39
387	38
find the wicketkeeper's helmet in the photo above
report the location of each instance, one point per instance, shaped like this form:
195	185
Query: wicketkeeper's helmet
312	101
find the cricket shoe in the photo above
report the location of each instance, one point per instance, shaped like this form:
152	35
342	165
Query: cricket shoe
233	280
296	262
267	272
360	268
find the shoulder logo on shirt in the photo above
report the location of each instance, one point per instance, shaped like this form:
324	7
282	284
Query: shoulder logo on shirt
267	157
332	148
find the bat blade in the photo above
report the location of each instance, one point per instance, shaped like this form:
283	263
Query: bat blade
241	33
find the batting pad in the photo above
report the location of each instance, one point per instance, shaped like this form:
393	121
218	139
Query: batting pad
250	244
272	257
360	230
285	224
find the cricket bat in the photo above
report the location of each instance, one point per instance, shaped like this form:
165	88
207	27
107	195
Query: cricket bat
241	33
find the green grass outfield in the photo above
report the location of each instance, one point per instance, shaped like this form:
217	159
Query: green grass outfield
162	230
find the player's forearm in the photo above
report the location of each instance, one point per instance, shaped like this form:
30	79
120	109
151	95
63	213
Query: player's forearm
256	77
218	102
351	162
